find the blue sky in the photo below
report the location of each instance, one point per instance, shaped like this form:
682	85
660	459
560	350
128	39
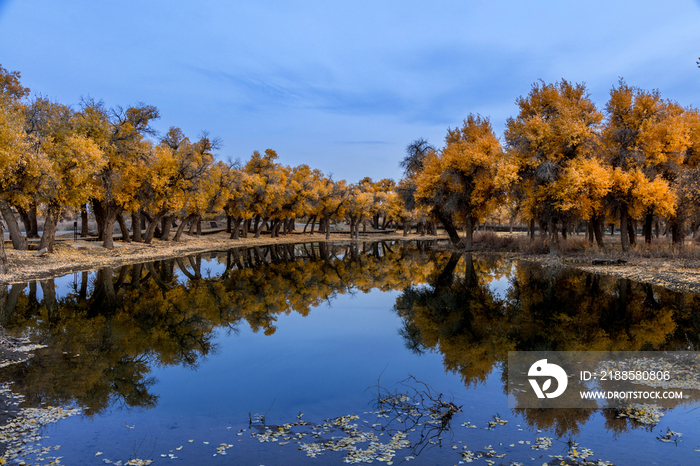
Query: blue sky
343	86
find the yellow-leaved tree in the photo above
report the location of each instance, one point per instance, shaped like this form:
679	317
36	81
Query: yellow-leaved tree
465	181
556	126
582	191
644	138
120	135
69	163
13	144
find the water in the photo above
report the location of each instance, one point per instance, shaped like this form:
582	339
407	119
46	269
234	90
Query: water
163	353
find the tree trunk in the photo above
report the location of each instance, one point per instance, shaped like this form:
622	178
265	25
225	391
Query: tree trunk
19	242
193	227
84	221
553	237
31	226
469	239
259	226
24	216
3	255
110	216
632	231
150	231
53	212
99	212
199	225
124	230
228	223
136	227
181	227
648	224
327	224
449	227
597	225
255	225
624	237
235	227
34	230
167	223
313	224
677	231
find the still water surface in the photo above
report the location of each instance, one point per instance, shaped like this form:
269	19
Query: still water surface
194	349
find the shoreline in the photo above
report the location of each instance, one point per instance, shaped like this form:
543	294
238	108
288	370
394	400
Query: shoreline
676	274
81	256
681	275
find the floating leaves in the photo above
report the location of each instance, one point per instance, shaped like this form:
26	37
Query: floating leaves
22	435
497	421
642	413
670	436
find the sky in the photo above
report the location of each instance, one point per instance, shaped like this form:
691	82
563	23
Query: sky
343	86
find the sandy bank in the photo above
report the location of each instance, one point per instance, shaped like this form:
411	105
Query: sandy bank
80	255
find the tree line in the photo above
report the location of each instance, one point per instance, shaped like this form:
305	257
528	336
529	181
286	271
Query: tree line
54	158
563	162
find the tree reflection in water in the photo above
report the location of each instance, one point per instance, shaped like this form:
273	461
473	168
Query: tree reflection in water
105	335
458	315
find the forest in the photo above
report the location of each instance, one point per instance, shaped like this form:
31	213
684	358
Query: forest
560	164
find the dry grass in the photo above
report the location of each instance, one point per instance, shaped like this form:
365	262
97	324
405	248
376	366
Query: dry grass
660	248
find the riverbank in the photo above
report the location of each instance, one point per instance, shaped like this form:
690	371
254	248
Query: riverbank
656	265
681	275
77	256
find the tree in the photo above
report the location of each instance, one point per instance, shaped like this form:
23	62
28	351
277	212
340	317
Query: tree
268	181
467	179
332	202
358	207
240	198
582	191
417	154
65	165
13	143
556	125
644	140
185	182
120	134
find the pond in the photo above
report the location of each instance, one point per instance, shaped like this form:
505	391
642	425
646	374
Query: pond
331	353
